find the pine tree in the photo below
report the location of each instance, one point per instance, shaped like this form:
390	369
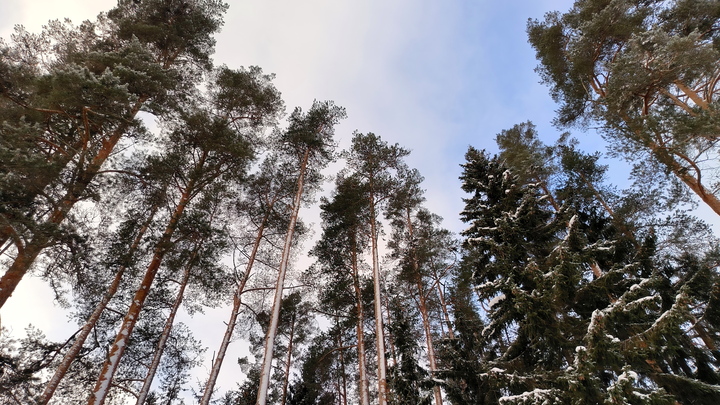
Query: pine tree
375	162
339	252
142	57
422	249
309	139
266	193
204	151
645	70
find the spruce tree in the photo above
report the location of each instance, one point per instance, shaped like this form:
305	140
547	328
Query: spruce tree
576	309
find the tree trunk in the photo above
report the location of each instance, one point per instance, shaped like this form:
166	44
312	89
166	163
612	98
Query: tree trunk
237	301
429	341
274	320
422	306
443	305
62	159
363	383
102	385
26	256
288	360
343	376
379	332
162	342
390	338
92	320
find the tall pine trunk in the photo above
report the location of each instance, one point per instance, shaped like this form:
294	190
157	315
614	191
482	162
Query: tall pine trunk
446	314
237	301
27	254
92	320
343	374
422	306
379	330
275	317
288	360
102	385
363	383
167	329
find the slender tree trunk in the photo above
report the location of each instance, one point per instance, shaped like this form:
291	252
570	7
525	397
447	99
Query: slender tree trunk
92	320
288	360
443	306
363	383
343	376
422	305
26	255
102	385
667	158
379	332
389	337
162	342
429	342
274	320
237	301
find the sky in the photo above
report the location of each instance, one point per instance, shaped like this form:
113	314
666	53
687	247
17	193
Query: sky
433	76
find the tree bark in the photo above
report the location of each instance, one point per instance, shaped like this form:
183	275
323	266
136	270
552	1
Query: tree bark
379	331
288	360
92	320
102	385
446	315
422	306
26	255
162	342
343	375
363	383
274	320
237	301
61	160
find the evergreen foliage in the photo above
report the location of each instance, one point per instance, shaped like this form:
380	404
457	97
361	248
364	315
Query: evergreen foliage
562	289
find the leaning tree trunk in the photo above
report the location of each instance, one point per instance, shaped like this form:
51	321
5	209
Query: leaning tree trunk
162	342
443	305
422	306
102	385
92	320
27	254
275	317
237	301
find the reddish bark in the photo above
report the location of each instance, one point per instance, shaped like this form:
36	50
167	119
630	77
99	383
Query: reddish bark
92	320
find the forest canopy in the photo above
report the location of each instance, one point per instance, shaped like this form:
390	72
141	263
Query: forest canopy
145	184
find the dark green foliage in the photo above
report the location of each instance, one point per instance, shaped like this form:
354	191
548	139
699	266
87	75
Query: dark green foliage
312	132
408	383
459	356
577	309
315	375
20	364
246	394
